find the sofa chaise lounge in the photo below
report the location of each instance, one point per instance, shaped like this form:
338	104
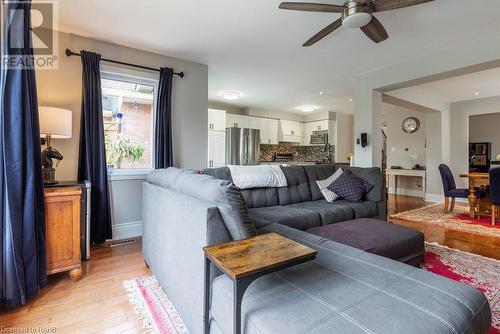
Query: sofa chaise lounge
344	290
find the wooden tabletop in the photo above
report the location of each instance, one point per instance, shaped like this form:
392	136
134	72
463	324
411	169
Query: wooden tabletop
484	176
245	257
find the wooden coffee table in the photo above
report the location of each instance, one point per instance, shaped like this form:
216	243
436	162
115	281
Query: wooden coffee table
246	260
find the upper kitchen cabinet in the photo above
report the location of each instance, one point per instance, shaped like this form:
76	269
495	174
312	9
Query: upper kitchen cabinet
272	131
290	131
323	125
237	121
216	120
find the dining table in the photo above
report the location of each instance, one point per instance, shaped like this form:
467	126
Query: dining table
478	206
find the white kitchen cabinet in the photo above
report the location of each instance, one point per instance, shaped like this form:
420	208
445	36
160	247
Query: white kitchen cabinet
216	120
237	121
290	131
323	125
272	131
216	148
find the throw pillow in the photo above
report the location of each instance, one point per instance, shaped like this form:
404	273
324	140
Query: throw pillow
329	195
350	187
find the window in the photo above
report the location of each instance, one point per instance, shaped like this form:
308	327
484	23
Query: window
128	113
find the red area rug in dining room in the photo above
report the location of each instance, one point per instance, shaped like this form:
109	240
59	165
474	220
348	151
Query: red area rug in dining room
158	314
474	270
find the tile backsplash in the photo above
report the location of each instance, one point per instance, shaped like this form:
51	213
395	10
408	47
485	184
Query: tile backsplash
300	153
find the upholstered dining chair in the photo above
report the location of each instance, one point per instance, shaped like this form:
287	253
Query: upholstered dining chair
450	189
495	193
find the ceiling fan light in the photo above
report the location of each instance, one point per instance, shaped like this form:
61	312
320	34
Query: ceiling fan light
357	20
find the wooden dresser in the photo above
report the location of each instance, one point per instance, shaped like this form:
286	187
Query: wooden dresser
62	230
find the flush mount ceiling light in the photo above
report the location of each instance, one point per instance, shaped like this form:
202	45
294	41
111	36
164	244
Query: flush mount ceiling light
320	93
476	93
307	108
231	95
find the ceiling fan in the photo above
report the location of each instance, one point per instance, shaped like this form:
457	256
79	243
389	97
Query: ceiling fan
355	14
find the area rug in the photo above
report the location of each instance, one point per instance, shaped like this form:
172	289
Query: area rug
155	310
158	315
458	219
474	270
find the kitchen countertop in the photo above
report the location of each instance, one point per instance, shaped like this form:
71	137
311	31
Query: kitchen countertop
292	163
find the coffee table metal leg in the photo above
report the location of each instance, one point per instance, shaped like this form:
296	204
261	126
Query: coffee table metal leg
206	292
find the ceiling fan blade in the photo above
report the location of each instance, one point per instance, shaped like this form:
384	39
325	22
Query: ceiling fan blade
383	5
323	33
375	30
312	7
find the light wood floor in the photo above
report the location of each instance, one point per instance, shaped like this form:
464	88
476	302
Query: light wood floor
98	303
466	241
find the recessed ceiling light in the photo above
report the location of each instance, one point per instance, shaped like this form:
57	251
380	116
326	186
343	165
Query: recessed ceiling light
476	93
350	100
231	95
307	108
320	93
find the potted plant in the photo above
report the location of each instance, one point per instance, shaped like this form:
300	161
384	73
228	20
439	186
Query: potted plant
122	148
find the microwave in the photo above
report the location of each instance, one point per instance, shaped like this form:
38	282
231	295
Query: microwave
319	137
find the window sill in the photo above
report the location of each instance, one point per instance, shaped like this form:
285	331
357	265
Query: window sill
128	174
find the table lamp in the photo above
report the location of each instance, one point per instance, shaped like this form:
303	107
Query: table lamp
54	123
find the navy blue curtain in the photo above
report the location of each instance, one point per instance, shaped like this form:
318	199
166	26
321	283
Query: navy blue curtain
22	239
92	157
163	130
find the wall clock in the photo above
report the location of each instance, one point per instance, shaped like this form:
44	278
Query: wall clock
410	125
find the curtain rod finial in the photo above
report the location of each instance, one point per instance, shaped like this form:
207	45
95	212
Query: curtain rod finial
69	52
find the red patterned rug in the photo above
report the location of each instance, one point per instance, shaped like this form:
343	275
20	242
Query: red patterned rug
158	315
458	219
474	270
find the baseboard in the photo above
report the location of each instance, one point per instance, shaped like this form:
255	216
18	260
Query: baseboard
406	192
439	198
127	230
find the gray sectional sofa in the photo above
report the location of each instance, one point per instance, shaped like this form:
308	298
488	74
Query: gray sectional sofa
301	205
345	290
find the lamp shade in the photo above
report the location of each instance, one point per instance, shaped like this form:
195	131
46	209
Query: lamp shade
55	122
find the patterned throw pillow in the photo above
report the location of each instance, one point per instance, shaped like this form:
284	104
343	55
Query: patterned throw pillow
350	187
329	195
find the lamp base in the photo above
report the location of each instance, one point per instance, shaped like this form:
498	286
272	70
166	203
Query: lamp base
49	175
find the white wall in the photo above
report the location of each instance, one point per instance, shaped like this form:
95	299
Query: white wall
459	116
486	128
400	145
345	134
447	61
63	88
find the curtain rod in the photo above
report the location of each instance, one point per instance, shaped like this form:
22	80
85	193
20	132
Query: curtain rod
70	53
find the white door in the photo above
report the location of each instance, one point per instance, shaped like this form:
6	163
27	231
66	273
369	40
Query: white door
217	120
216	148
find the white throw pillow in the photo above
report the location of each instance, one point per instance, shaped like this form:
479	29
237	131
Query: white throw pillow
329	195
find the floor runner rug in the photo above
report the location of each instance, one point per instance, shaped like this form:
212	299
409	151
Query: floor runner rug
458	219
158	314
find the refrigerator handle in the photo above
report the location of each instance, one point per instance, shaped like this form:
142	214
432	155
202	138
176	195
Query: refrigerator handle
246	142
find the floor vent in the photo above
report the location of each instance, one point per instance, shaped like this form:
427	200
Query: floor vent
122	242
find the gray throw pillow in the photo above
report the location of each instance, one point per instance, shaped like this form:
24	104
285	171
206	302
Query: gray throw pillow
350	187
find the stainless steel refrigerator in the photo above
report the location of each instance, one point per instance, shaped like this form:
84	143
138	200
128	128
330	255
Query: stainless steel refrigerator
242	146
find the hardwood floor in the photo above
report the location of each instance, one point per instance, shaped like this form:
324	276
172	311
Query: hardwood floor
98	303
466	241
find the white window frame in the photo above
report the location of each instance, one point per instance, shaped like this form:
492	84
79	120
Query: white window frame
141	77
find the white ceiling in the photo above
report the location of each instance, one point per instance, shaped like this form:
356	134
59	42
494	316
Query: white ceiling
253	47
462	88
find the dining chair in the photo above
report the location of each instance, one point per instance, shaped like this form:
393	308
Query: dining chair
495	193
450	189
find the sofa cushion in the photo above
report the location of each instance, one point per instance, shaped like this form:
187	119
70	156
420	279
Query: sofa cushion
298	218
330	213
315	173
365	209
298	189
260	197
221	193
